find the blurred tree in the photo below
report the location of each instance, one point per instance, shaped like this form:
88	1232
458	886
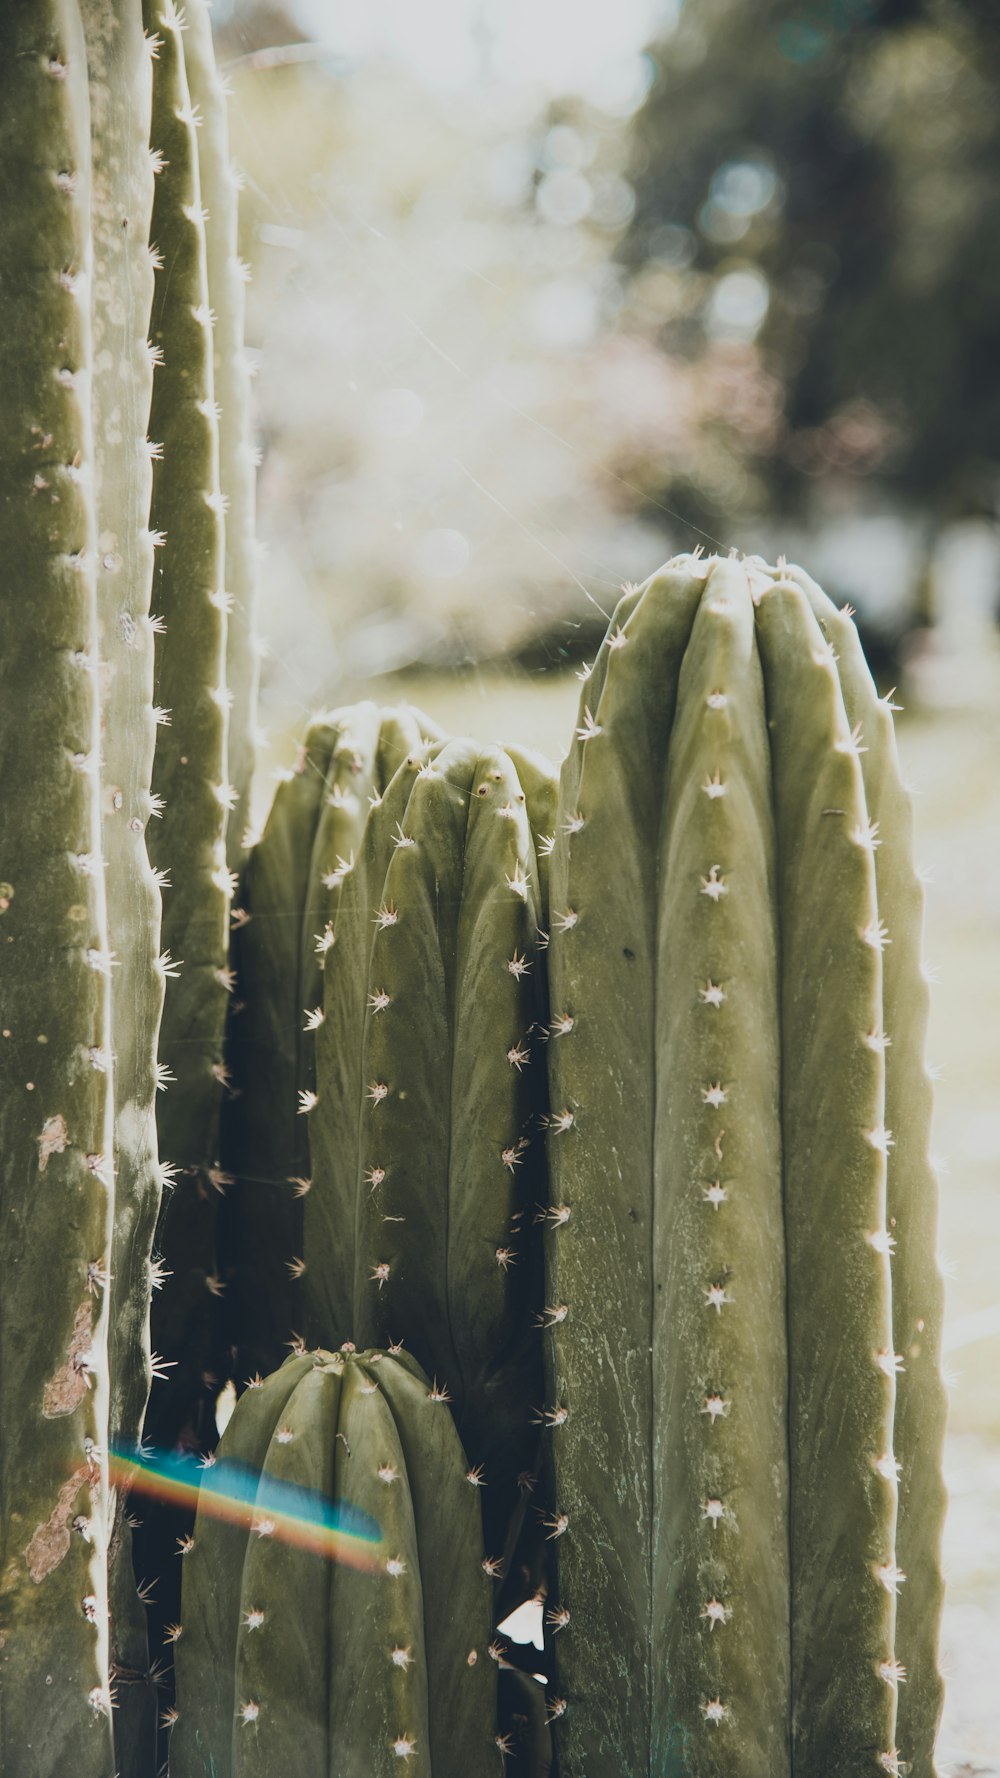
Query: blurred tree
827	177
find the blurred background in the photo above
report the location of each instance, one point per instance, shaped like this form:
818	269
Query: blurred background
545	291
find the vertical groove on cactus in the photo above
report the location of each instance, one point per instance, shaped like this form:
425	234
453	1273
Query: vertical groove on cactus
226	296
56	1103
120	82
368	1664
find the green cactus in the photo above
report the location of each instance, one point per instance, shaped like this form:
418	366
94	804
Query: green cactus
192	796
84	981
289	885
362	1669
56	1101
226	275
722	1369
425	1180
120	84
917	1286
187	841
723	1045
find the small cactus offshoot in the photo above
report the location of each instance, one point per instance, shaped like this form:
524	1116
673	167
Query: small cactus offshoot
357	1626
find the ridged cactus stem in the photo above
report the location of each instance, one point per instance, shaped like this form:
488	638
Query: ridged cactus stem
237	462
265	1146
120	79
600	1285
191	797
187	841
912	1194
720	1622
363	1670
723	1462
423	1152
842	1365
289	887
56	1104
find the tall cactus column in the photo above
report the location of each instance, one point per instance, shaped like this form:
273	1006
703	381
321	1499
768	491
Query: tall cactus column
842	1367
56	1107
191	797
191	794
723	1373
911	1189
119	60
120	82
226	275
665	1286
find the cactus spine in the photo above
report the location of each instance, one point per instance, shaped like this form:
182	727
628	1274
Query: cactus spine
362	1670
56	1105
728	1062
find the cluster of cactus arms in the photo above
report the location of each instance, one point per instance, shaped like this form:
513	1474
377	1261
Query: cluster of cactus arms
571	1131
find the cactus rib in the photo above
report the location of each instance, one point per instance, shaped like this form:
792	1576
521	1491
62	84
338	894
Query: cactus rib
231	391
119	64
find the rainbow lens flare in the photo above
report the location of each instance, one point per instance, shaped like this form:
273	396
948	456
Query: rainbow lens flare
241	1495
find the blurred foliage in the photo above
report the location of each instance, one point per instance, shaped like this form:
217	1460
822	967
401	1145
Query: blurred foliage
430	273
745	290
817	188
